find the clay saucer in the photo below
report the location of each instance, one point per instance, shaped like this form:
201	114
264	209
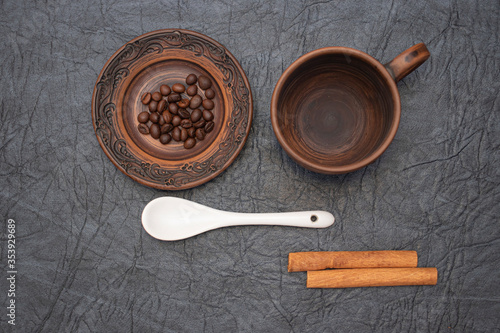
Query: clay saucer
143	65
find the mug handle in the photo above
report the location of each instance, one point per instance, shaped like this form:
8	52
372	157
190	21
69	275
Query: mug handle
407	61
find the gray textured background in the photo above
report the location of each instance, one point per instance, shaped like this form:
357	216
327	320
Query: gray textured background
84	262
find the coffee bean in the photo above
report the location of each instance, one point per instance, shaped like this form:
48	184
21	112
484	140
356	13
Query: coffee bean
176	120
190	143
186	123
165	138
209	127
155	131
209	93
143	129
183	113
192	90
143	117
146	98
166	128
165	90
200	134
208	104
171	119
178	88
196	115
176	134
208	115
184	134
200	123
204	82
162	105
191	79
156	96
174	97
184	103
153	106
195	102
154	117
172	107
167	116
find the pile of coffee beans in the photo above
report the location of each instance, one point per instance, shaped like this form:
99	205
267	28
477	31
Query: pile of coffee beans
179	113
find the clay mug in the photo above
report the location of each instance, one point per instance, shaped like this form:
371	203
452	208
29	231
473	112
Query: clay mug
336	109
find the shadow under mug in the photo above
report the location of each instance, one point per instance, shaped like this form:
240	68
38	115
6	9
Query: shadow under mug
337	109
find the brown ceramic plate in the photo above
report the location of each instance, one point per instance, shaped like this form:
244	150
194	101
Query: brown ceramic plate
142	65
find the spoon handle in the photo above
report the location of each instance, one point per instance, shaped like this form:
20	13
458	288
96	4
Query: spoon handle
305	219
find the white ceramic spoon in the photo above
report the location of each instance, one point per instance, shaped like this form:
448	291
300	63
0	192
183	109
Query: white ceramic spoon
171	219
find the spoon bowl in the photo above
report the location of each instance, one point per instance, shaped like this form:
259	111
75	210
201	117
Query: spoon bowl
171	218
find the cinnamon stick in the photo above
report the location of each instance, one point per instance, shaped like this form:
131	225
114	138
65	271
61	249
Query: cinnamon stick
371	277
313	261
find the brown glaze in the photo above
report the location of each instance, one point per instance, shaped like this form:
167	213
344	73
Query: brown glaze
144	65
336	109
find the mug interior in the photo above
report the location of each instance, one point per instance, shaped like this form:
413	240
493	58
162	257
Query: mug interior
336	110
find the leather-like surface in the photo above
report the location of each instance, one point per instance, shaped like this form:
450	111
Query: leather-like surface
84	262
